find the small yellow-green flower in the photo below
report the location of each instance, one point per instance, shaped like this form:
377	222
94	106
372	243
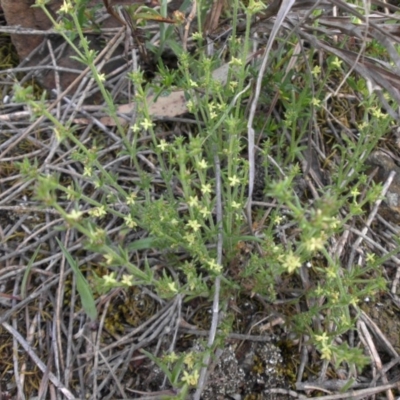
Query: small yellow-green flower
172	287
127	280
323	338
204	211
235	205
315	244
130	199
213	115
362	126
355	192
98	211
236	61
192	223
87	171
370	257
146	124
102	77
331	272
221	106
110	279
214	266
190	105
336	63
66	8
291	262
190	379
130	222
316	102
193	201
74	215
233	180
202	164
206	188
193	84
376	112
197	36
189	360
108	259
163	145
172	357
135	128
233	85
316	70
190	238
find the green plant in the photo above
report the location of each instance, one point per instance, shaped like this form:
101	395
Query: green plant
191	197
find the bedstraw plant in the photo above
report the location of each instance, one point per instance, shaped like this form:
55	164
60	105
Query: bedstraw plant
188	200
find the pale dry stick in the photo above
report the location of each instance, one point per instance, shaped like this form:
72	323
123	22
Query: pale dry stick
39	68
217	284
371	217
291	64
96	347
94	120
189	20
36	233
129	337
30	336
59	98
236	336
375	244
69	357
27	155
387	367
286	392
143	341
364	42
17	29
28	210
56	76
159	395
381	34
393	289
15	116
114	376
56	382
351	394
19	373
284	9
366	338
44	382
46	287
110	49
58	348
378	333
177	325
14	190
119	82
303	362
329	385
54	350
339	246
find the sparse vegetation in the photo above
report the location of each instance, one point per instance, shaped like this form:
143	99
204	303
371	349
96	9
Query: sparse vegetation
259	192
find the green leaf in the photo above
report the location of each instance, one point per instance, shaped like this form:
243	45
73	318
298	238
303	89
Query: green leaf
142	244
83	287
